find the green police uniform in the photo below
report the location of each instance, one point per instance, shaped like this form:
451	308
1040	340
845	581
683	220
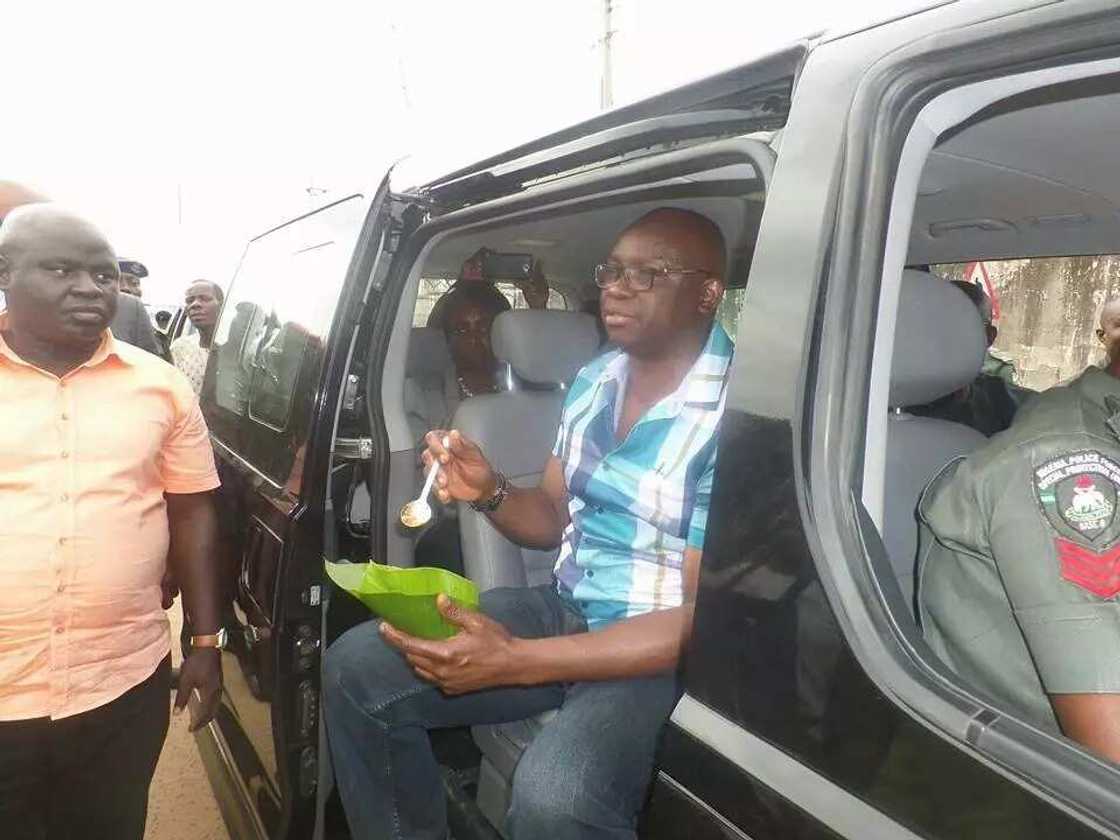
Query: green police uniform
1002	368
1019	564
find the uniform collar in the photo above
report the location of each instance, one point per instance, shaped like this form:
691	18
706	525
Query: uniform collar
109	347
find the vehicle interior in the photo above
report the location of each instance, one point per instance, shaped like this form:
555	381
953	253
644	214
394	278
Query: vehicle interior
1007	183
1028	178
539	352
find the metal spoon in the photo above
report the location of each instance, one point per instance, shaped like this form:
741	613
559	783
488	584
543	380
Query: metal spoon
418	512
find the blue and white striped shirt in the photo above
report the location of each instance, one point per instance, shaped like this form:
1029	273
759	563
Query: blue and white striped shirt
636	506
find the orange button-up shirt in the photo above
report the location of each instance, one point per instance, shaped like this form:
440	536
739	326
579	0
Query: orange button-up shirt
84	463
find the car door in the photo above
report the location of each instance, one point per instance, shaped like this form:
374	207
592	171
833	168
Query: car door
273	378
793	723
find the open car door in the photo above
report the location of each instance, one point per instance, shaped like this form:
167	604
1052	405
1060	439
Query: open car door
271	396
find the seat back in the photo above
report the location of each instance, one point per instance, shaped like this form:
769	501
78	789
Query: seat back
427	370
517	429
939	348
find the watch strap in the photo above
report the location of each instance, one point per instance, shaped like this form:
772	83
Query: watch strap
210	640
501	490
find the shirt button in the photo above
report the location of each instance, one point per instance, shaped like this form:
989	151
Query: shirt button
65	453
59	630
62	540
65	497
591	573
65	416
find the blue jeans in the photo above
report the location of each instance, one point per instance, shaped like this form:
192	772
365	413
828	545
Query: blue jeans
584	776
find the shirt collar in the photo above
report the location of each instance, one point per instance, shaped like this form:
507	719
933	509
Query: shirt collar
701	387
108	347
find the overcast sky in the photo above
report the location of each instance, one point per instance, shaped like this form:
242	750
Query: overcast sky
183	129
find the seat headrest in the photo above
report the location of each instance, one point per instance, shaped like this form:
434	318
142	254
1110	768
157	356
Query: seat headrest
939	340
545	346
427	352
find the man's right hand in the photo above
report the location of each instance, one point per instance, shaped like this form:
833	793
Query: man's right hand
465	474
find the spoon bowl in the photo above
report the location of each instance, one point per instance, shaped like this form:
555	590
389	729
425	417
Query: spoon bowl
418	512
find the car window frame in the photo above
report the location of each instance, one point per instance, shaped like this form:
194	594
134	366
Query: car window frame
891	652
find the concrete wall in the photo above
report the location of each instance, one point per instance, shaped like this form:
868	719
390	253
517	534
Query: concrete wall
1049	309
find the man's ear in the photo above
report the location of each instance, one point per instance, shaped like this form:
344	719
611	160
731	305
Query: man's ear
711	293
992	333
1100	335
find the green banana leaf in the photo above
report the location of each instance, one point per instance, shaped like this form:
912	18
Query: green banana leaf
406	598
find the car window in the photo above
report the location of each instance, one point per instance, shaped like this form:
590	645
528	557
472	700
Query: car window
729	309
268	348
1046	312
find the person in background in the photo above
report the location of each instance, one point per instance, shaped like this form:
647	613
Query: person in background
468	314
14	195
1108	334
132	272
533	288
989	403
131	323
602	642
189	353
1018	566
107	481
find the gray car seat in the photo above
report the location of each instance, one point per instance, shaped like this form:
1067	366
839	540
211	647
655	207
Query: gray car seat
516	430
428	379
938	348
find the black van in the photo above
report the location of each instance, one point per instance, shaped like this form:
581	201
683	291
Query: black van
973	130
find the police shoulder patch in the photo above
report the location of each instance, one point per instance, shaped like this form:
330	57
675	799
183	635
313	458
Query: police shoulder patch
1078	494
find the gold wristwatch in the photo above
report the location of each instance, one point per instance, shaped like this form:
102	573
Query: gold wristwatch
213	640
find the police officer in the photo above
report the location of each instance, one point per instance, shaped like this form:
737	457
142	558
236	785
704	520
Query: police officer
989	403
132	272
1019	568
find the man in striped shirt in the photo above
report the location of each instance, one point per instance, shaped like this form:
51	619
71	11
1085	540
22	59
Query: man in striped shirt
625	496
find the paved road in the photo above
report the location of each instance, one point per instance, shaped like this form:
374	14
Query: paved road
181	805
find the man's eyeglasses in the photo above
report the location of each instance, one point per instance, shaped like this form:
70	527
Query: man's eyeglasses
639	279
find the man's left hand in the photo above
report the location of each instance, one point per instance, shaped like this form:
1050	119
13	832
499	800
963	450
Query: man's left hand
481	655
201	670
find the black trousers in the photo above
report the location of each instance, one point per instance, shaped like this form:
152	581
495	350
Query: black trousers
85	777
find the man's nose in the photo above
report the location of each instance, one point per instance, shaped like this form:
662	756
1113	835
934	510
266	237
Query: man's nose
84	284
620	289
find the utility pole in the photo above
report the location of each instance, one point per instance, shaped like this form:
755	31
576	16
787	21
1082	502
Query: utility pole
606	85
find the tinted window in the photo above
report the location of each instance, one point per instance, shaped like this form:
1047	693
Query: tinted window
269	346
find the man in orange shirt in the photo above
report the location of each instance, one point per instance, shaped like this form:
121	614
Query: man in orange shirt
105	475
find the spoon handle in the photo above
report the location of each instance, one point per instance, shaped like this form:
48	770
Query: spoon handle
431	479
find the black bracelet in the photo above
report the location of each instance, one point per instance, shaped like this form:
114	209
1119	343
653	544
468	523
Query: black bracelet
501	490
